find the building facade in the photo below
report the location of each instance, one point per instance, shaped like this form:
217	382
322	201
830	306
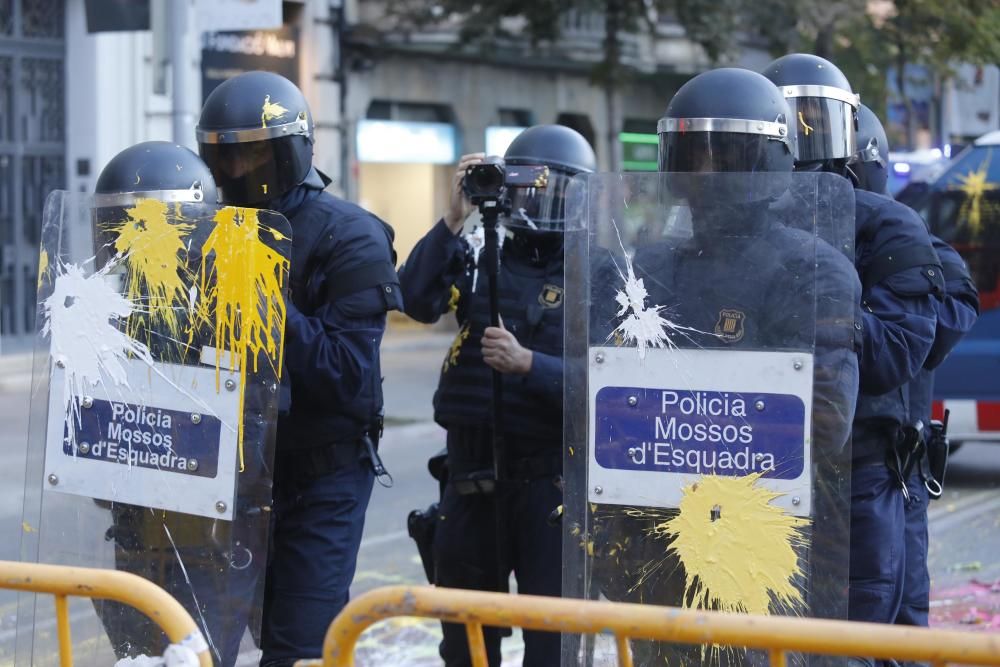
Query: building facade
393	109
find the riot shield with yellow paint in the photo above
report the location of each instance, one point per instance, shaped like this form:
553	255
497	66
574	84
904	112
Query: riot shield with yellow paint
710	388
160	331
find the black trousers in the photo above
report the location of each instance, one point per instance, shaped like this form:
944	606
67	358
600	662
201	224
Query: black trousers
467	556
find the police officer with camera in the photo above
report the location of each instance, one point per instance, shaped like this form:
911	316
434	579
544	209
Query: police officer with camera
256	134
923	463
445	273
901	279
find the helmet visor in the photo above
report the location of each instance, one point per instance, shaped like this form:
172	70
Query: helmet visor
825	128
720	152
257	171
542	209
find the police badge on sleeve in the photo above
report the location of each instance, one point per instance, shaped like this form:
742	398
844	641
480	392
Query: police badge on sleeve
729	326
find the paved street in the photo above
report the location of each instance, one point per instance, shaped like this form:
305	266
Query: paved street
965	542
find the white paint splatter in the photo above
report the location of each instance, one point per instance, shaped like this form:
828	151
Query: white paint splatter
81	320
476	238
643	325
524	216
193	299
175	656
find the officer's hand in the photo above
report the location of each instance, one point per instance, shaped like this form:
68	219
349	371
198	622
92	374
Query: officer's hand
459	207
502	351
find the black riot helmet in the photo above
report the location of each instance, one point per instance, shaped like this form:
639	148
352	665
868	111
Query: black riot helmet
726	120
256	134
871	161
823	110
155	170
158	170
566	153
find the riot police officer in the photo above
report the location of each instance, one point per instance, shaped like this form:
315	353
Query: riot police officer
746	277
256	134
900	276
189	556
956	310
444	274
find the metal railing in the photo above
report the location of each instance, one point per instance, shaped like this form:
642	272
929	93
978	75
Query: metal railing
778	635
64	582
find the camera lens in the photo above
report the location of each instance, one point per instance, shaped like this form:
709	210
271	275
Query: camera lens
487	180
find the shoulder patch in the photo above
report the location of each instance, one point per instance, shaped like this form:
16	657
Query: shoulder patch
729	326
551	296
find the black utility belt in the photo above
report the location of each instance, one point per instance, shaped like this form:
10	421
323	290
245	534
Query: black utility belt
483	481
314	462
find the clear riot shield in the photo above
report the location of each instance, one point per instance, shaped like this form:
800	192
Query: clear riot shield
160	336
710	388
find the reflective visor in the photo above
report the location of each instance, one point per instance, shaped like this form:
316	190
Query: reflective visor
257	171
824	128
541	208
715	152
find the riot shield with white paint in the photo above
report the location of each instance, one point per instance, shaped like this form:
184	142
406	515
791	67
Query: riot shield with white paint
710	388
160	336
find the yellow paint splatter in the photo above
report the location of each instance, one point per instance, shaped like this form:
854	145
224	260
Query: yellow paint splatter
153	251
974	186
27	527
271	111
806	127
737	548
43	266
453	299
456	348
242	288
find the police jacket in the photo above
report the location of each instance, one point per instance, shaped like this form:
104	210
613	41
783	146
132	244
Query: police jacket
957	311
770	288
343	281
901	279
443	274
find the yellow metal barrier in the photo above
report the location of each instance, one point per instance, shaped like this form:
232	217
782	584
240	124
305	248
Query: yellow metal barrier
129	589
779	635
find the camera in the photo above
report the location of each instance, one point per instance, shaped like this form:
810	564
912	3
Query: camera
491	179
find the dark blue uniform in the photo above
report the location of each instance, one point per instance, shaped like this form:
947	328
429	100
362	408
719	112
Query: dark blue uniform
901	279
957	312
343	282
441	275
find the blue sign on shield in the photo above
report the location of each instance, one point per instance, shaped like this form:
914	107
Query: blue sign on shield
700	432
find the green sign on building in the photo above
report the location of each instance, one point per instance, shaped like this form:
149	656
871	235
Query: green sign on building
639	151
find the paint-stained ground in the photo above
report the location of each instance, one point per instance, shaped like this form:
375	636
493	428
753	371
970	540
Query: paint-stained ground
965	539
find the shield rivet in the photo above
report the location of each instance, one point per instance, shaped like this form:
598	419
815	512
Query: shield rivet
53	479
796	500
797	365
759	405
195	418
599	357
758	457
193	465
87	402
598	490
84	448
230	385
220	507
633	401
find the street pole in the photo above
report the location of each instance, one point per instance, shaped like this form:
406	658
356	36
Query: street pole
177	18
